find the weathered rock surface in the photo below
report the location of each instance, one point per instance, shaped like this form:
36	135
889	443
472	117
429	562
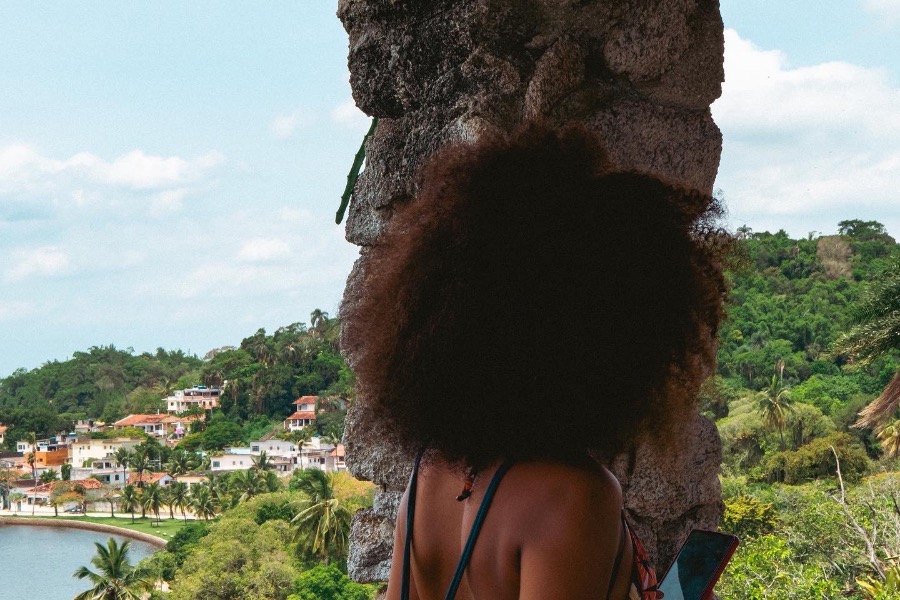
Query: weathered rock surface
642	73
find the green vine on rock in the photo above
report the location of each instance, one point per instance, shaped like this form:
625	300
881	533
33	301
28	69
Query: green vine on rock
353	175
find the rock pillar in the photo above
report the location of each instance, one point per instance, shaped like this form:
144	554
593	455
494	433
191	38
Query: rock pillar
642	73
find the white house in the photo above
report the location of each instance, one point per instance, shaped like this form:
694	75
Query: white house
274	447
200	396
105	470
86	449
304	415
190	479
326	457
231	462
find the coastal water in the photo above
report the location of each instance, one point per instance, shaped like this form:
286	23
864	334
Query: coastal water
38	562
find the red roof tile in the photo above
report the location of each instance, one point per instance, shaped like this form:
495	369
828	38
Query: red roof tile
147	420
88	484
146	477
302	414
338	451
306	400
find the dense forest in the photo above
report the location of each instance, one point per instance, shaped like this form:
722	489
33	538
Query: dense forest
812	338
264	375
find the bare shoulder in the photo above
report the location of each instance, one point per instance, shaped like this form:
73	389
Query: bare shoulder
561	495
569	525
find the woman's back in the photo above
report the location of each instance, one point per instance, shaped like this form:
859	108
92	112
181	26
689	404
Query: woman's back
552	531
525	281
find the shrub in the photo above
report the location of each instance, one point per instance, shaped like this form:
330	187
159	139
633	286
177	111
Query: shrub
765	568
326	582
746	516
816	459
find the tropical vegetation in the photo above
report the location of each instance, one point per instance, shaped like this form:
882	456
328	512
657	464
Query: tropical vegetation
810	342
115	578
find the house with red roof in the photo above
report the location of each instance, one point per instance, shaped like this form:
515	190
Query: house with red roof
304	415
146	478
160	425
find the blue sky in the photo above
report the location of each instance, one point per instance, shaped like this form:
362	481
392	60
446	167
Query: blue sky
169	171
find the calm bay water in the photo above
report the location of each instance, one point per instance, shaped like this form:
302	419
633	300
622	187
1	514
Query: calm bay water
38	562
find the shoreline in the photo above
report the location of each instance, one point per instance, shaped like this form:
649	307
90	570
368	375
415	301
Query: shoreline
154	541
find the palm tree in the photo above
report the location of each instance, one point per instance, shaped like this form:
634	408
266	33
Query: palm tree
247	484
202	502
323	523
774	402
261	462
317	321
116	578
122	456
271	481
178	496
889	436
218	489
876	332
140	462
129	500
31	458
169	500
180	462
15	498
49	475
54	501
152	499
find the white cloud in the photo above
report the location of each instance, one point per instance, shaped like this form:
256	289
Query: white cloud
346	114
168	201
141	171
24	170
285	126
816	143
263	250
884	9
43	261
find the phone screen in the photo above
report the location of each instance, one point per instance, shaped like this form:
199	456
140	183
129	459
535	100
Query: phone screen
698	565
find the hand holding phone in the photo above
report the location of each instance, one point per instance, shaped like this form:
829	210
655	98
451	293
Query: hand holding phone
698	565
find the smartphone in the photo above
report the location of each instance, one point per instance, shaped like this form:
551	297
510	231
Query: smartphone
698	565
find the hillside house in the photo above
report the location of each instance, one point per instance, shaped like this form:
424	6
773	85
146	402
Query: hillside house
193	478
231	462
146	478
160	426
304	415
199	396
86	426
86	449
106	470
317	454
3	429
40	494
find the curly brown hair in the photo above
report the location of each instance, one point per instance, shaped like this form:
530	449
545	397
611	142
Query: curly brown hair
532	302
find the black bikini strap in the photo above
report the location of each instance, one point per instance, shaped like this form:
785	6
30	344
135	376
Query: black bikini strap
623	534
470	542
476	528
410	512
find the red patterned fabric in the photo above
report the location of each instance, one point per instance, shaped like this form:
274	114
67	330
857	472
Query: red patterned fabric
643	575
